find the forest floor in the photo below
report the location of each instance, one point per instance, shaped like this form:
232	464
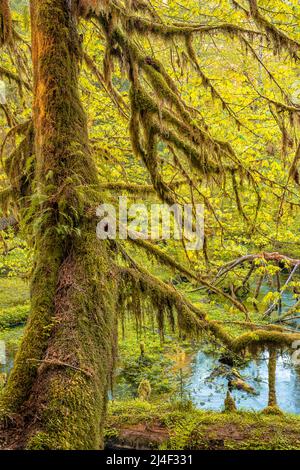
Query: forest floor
162	423
138	424
14	302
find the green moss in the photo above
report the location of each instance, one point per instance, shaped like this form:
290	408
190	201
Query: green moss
63	368
41	441
272	378
229	403
13	291
273	410
144	390
260	339
197	429
72	396
38	328
14	316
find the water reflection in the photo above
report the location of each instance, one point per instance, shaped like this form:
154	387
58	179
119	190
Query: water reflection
11	338
208	393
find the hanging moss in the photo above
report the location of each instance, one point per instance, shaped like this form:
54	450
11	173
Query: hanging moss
63	368
261	339
152	26
145	109
169	261
69	395
65	363
207	83
280	40
14	78
19	166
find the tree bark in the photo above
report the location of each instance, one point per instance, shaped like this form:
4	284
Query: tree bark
272	377
59	383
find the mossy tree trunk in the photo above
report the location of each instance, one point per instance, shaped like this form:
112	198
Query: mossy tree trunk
272	377
61	375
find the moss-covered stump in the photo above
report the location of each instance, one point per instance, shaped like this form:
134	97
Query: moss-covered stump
141	425
229	403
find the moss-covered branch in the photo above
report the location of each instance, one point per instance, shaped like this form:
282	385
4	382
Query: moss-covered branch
138	286
15	78
172	263
279	38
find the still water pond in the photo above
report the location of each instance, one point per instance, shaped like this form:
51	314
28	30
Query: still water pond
208	392
11	339
205	388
